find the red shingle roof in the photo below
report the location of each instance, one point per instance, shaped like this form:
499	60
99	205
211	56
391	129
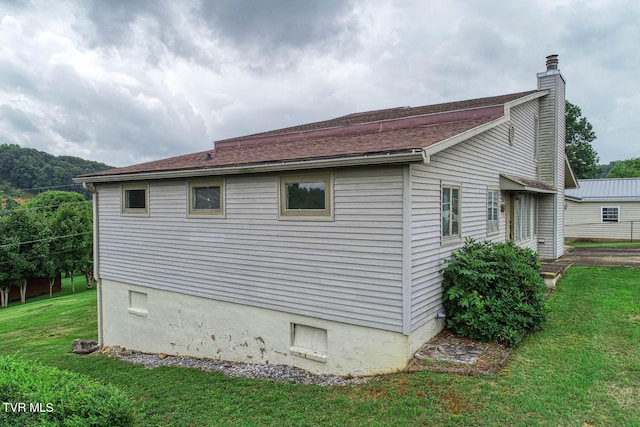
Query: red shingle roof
394	113
384	131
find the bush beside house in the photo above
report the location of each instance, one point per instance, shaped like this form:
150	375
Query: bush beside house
494	292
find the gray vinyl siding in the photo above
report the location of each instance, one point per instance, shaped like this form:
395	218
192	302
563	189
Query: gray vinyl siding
546	226
475	165
584	221
551	165
560	165
547	170
348	269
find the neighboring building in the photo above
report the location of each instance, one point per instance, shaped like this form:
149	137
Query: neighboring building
603	210
321	246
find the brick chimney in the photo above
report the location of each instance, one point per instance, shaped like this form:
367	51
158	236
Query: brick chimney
551	165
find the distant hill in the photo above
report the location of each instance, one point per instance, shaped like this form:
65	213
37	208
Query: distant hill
25	171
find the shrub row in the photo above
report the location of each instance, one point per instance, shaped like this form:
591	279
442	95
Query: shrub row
33	395
494	292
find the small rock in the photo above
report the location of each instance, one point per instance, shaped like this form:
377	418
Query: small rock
279	373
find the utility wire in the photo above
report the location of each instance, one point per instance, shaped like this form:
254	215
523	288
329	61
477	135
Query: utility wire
26	190
45	239
52	206
32	258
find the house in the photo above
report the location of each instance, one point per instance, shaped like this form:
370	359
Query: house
321	246
603	210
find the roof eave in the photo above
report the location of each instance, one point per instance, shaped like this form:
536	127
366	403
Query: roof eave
570	180
429	151
411	156
512	183
526	98
612	199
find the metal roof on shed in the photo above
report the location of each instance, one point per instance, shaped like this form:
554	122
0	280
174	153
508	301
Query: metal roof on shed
606	189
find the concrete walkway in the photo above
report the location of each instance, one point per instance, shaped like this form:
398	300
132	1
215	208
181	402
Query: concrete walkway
623	256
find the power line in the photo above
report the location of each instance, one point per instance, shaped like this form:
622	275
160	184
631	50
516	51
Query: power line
53	206
26	190
32	258
45	239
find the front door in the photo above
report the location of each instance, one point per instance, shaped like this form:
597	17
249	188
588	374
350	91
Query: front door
510	216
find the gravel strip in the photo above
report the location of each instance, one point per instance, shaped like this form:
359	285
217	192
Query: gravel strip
279	373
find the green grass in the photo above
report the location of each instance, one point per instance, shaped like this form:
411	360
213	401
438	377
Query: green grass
602	244
583	369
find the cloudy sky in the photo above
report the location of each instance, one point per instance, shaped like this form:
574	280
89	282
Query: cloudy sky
124	82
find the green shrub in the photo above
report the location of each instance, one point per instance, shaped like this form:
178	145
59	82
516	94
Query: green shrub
494	292
51	397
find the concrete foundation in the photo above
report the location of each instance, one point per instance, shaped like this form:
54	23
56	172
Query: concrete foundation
157	321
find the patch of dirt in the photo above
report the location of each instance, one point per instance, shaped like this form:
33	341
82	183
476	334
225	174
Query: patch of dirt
447	352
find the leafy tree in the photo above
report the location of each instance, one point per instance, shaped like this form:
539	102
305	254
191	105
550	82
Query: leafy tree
8	253
579	136
49	202
69	218
23	248
605	169
626	169
10	204
73	228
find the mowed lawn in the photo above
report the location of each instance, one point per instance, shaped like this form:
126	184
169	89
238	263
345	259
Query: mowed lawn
583	369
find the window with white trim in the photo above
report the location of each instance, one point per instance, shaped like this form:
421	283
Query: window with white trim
135	199
492	211
206	197
610	214
450	211
522	217
306	195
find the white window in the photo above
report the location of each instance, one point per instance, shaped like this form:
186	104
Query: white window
206	197
610	214
522	220
450	212
135	199
309	342
492	211
306	195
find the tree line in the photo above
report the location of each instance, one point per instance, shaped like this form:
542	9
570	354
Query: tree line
26	171
46	237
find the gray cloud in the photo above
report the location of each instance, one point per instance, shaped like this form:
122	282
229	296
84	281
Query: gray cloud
284	23
17	119
263	32
129	81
